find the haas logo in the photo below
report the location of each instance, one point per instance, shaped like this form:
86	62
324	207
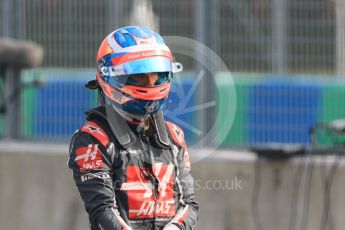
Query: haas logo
151	207
89	158
143	200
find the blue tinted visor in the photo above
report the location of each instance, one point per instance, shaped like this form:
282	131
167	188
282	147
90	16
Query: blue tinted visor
148	65
131	79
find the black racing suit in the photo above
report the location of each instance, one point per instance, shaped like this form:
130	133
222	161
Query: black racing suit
143	188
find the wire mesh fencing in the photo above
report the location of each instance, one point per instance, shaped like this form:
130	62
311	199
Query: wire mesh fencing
251	35
283	44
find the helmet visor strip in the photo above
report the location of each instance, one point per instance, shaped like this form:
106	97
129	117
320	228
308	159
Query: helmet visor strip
160	78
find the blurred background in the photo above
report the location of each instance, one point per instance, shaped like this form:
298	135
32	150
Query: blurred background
286	61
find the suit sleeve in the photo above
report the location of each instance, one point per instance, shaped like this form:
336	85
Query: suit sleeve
187	213
91	166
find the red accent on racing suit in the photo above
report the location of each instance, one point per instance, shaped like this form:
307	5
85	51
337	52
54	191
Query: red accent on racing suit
124	189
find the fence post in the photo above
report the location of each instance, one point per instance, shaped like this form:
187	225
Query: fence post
12	28
340	37
206	32
279	35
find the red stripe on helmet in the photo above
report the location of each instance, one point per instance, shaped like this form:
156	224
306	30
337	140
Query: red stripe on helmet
140	55
147	93
104	49
112	93
138	92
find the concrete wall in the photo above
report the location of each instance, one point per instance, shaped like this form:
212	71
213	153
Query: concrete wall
234	189
273	194
37	192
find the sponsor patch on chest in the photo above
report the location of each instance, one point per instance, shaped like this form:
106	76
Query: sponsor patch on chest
146	198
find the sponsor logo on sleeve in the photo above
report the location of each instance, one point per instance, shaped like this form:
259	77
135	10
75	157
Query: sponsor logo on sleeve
90	176
93	129
89	158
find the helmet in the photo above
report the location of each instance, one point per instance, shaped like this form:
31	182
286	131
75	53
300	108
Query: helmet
133	51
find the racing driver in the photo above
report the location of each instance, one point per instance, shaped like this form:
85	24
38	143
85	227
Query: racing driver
132	167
